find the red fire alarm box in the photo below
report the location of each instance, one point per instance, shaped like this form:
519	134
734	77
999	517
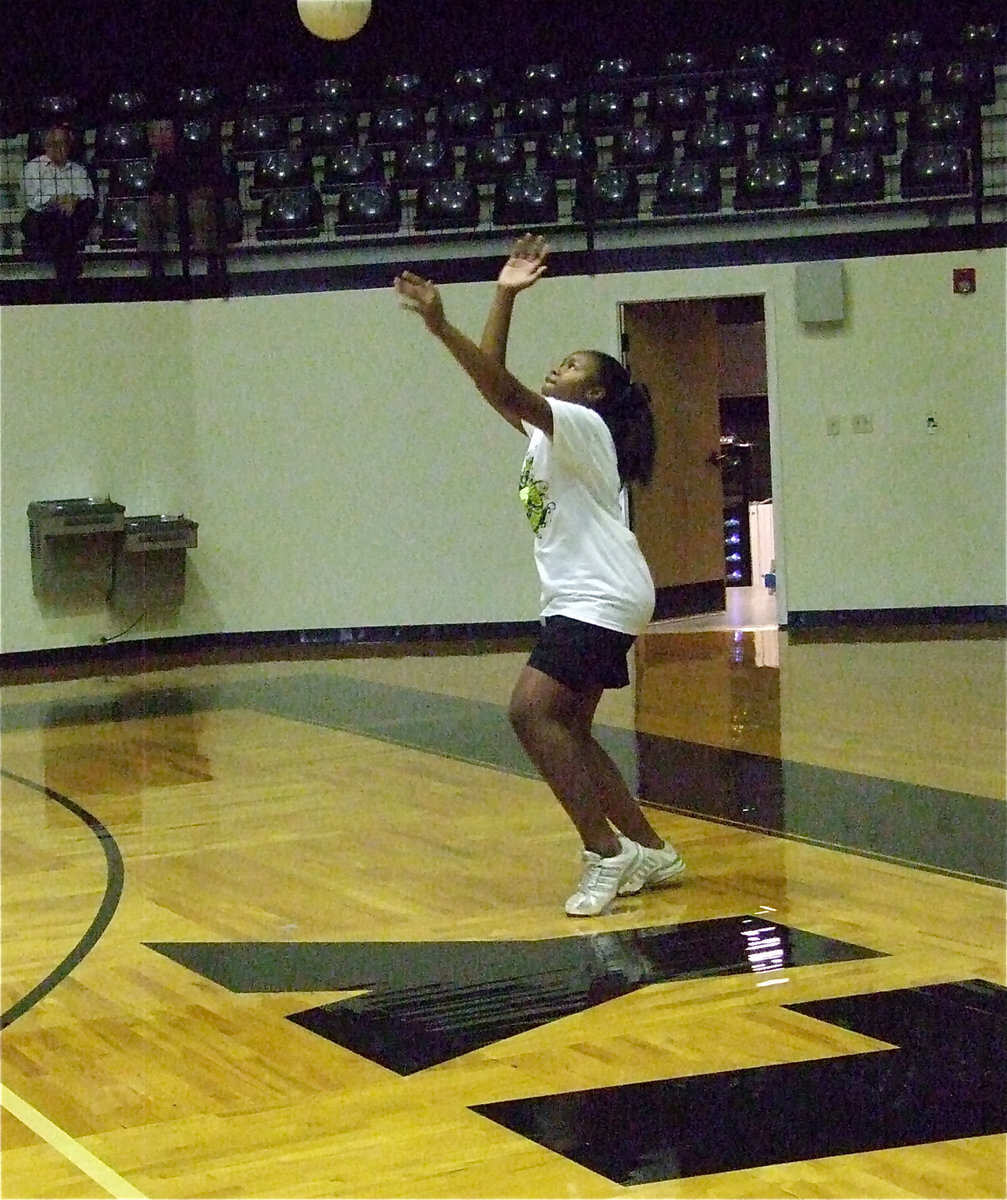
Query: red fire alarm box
963	280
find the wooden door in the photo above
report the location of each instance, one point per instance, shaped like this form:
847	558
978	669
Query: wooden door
673	346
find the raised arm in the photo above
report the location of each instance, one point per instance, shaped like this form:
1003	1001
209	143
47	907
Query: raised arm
524	267
511	399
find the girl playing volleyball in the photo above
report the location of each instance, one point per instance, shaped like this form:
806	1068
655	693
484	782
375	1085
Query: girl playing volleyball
591	432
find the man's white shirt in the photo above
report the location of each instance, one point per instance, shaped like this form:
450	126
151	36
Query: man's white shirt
43	181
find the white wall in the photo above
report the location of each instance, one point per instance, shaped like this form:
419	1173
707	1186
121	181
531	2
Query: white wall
94	401
898	517
336	480
343	473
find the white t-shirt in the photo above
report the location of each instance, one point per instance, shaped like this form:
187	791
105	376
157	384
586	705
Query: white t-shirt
589	563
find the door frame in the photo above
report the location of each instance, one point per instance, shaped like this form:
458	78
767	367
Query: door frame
772	391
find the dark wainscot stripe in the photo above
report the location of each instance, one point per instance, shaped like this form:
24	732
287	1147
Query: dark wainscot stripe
869	617
27	665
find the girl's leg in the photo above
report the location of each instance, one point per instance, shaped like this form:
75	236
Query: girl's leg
619	804
553	723
547	717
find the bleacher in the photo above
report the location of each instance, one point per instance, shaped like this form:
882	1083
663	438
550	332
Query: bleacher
754	147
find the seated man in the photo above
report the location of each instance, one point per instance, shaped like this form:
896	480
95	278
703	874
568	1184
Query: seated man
61	204
196	175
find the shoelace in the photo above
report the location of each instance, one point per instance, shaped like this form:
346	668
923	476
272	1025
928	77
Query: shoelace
598	872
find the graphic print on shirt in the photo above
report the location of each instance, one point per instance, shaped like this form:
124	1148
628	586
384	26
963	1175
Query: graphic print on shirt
533	493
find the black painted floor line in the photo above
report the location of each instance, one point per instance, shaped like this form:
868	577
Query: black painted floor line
115	874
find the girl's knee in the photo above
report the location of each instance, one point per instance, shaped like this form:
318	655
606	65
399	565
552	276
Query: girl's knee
539	704
521	714
529	712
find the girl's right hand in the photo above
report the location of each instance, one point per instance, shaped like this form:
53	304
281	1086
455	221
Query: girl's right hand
419	295
526	263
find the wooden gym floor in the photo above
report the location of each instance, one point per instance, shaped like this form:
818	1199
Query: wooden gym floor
296	929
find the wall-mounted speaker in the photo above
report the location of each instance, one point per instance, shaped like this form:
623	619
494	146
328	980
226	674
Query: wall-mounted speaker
818	292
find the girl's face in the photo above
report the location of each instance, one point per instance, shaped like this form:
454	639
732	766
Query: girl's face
575	380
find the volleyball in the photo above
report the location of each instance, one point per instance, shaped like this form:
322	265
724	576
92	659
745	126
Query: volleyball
334	20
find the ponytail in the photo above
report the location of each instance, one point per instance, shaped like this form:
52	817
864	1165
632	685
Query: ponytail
637	444
627	412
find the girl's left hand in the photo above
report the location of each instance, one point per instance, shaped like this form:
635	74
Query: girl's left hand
421	296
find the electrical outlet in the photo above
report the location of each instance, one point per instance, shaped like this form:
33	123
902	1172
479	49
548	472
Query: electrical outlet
862	423
832	426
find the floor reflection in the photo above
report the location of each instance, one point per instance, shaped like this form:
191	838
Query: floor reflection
889	745
433	1001
715	687
116	748
922	706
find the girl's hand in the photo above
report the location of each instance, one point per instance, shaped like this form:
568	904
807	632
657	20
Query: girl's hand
420	296
526	263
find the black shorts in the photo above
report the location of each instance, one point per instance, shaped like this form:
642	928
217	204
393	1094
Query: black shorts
582	656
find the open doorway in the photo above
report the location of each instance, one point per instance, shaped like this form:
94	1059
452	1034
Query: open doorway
706	521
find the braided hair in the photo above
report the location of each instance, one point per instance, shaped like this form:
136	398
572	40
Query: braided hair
627	413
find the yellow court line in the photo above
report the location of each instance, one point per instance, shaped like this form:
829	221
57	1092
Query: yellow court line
71	1150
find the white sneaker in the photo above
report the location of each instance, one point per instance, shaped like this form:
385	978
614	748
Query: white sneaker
603	878
653	867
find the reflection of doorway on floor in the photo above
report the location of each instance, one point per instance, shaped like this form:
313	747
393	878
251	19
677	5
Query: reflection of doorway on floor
751	608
